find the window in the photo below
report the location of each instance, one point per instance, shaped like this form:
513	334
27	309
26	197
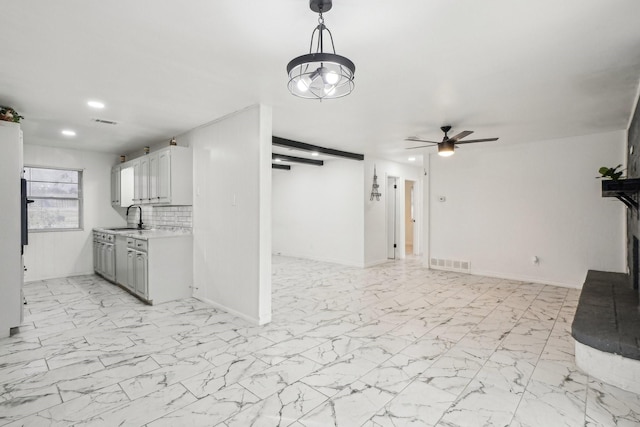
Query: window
57	196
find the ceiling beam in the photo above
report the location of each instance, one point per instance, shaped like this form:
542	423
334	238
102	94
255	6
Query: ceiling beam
278	166
282	142
286	158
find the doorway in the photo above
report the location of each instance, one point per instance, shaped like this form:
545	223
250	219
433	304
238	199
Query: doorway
392	217
409	217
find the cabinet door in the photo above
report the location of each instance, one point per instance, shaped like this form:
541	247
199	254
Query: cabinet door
131	269
144	179
127	185
110	265
141	274
101	258
137	181
153	178
96	255
115	186
163	181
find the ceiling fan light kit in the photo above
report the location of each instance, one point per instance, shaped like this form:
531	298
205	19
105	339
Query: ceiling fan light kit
321	75
447	146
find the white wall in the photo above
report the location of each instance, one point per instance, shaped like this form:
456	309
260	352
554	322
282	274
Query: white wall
232	212
69	253
506	204
317	211
375	212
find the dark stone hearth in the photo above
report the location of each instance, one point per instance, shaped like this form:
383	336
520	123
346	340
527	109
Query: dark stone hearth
633	171
608	315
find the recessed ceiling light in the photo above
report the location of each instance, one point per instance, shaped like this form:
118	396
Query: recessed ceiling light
68	132
412	159
315	153
95	104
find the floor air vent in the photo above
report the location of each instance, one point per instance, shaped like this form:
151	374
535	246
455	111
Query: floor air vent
450	264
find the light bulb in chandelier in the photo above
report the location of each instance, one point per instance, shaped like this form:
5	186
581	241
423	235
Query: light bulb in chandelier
331	77
329	90
303	84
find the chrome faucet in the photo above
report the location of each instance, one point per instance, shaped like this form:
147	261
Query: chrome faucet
140	221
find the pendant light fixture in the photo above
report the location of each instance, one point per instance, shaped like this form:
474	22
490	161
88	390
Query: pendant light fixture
321	75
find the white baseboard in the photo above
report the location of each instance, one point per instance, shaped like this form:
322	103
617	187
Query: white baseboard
236	313
319	259
88	273
379	262
525	279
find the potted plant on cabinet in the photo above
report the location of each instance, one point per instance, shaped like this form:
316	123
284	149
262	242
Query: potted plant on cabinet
8	114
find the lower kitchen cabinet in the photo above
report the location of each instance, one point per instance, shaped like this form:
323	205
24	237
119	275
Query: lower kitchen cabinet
129	280
137	268
104	255
141	285
156	269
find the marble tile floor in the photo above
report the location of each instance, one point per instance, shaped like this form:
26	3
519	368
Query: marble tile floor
388	346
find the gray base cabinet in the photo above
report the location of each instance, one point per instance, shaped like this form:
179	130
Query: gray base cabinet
104	255
155	269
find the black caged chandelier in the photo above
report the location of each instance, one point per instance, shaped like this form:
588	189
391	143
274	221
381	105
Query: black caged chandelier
321	75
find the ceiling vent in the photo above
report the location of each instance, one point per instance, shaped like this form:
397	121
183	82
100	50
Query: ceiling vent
106	122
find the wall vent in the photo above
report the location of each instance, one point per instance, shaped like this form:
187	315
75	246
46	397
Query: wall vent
450	264
106	122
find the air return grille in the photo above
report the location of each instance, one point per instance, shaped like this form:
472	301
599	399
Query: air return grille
106	122
450	264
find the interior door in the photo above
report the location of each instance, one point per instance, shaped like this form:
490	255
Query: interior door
409	217
392	217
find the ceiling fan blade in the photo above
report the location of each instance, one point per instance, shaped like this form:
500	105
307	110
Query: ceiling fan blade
420	146
476	140
415	139
461	135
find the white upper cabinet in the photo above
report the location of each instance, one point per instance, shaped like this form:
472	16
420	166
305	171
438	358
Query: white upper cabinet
126	185
115	186
122	185
144	179
163	177
135	165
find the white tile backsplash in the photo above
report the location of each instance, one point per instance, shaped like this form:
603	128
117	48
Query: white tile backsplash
163	216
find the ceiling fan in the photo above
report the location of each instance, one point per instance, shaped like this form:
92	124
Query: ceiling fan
447	145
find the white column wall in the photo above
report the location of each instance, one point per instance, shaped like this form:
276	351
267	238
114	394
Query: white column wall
375	212
506	204
232	212
69	253
317	212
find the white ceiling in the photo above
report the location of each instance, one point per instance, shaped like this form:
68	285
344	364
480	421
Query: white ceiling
519	70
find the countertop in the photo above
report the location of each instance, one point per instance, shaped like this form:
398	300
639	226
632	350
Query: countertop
145	234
